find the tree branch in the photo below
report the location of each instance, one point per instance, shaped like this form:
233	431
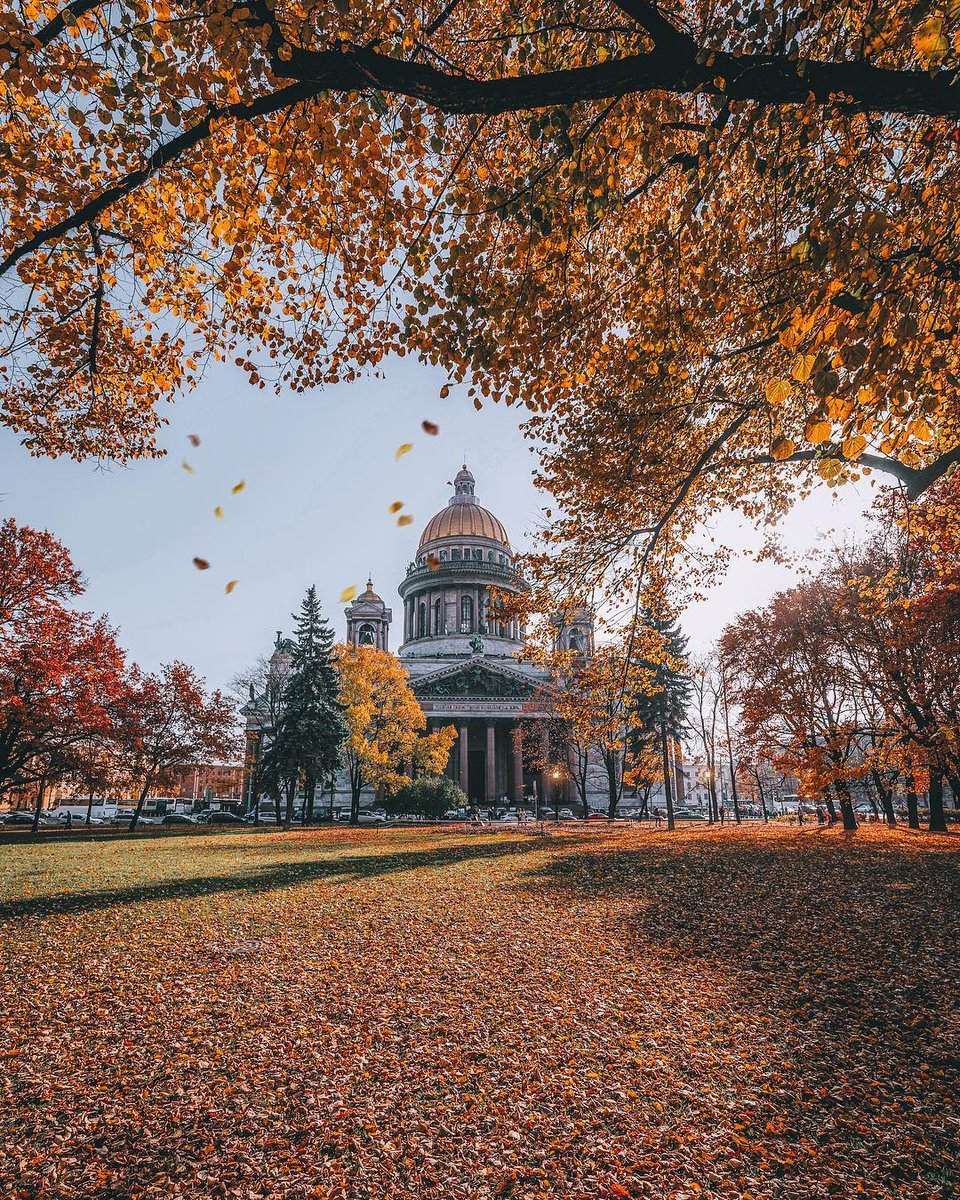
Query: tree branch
915	479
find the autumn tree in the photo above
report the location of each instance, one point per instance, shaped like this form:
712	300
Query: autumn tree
61	671
792	687
168	720
385	724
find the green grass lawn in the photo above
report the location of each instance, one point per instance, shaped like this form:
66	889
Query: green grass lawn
406	1013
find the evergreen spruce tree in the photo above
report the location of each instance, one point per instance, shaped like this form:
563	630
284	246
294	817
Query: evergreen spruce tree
306	746
660	714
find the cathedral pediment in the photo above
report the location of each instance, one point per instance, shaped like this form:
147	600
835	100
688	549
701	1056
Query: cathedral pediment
476	679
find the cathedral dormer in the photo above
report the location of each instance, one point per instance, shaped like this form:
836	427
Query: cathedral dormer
368	620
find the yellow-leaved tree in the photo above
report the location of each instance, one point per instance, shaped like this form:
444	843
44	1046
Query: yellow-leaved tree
385	724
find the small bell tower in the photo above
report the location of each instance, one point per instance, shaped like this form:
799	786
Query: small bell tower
368	620
573	631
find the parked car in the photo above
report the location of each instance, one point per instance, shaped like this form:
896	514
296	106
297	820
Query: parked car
21	817
597	816
372	817
178	819
225	818
687	814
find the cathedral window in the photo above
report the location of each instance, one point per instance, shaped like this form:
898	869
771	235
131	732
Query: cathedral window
422	621
366	635
466	614
455	555
437	617
443	556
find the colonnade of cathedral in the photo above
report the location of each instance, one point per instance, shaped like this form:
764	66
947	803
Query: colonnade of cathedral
453	609
487	762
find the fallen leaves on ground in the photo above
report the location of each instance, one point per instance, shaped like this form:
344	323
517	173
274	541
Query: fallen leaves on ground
761	1013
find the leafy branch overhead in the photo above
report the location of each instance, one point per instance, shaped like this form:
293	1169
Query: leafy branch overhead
713	252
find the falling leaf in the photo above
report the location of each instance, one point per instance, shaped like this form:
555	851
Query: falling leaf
429	427
186	466
406	519
231	585
396	506
218	511
433	562
201	564
193	439
347	595
238	487
403	449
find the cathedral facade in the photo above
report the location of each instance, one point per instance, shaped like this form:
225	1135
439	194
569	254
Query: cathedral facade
463	660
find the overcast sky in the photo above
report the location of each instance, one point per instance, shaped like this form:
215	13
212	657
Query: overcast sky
320	475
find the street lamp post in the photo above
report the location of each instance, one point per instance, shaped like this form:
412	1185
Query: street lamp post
556	775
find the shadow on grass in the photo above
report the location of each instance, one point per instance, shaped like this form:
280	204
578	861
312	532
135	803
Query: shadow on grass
270	877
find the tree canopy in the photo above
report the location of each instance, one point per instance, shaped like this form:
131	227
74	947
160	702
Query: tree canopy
711	248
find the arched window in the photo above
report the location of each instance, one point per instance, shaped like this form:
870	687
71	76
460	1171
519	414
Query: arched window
502	560
478	555
443	556
437	617
366	635
576	640
422	621
489	556
466	614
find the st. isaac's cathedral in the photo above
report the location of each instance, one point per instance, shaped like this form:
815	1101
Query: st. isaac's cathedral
463	662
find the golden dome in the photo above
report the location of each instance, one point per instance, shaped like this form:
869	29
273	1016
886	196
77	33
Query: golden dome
464	517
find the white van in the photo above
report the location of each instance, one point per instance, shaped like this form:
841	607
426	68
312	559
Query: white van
103	810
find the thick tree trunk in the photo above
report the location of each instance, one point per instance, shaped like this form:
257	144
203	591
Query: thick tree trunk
291	790
831	809
763	798
356	787
35	828
140	802
938	820
846	807
886	799
612	791
913	809
89	808
667	783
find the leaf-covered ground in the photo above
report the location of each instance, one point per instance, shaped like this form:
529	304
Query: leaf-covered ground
410	1013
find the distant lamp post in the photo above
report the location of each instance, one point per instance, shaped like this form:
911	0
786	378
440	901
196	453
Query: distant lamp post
557	776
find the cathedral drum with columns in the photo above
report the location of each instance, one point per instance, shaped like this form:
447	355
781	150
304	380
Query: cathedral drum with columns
462	661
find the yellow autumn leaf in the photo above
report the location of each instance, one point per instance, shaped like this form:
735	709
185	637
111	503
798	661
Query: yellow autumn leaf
238	487
402	450
818	431
778	390
782	448
186	466
347	595
218	512
829	468
853	447
406	519
920	430
803	366
396	506
231	585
